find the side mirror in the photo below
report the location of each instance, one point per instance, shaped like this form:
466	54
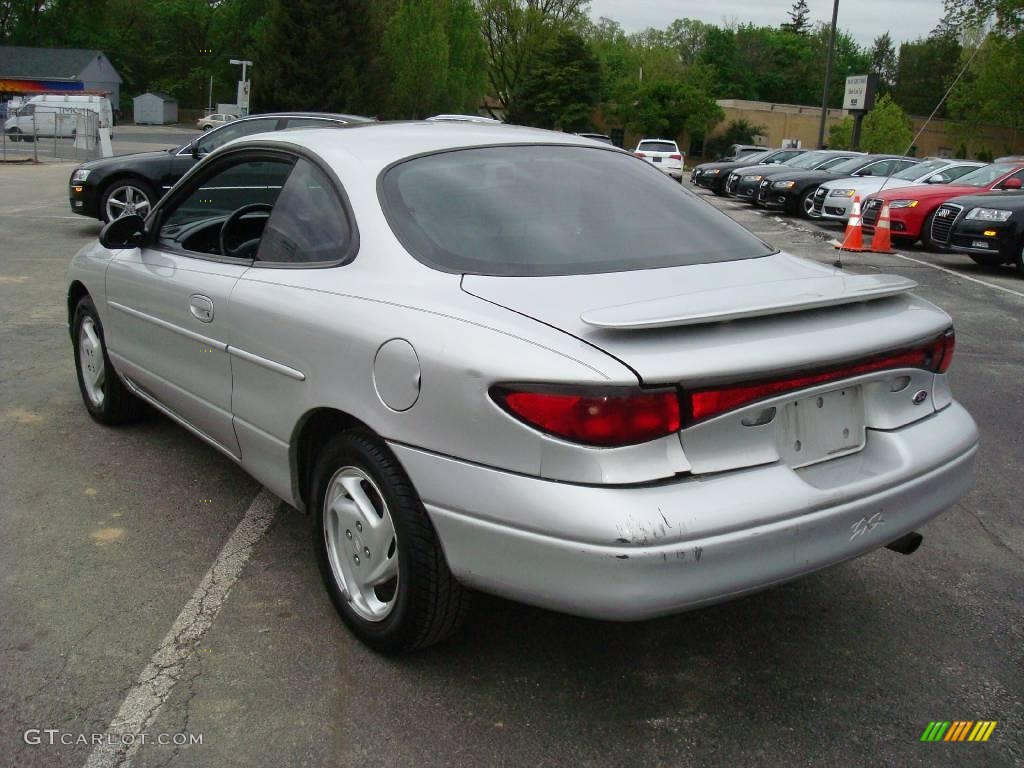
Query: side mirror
193	148
938	178
1012	184
124	232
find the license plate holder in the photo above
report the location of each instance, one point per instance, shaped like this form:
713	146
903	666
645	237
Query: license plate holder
822	427
656	159
980	244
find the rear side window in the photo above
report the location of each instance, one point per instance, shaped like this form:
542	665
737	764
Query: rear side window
308	225
312	122
236	130
550	210
830	164
657	146
956	172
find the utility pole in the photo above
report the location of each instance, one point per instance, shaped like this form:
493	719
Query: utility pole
828	75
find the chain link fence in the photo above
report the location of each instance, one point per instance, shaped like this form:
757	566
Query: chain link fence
42	132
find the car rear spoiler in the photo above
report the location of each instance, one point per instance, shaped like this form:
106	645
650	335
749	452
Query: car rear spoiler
746	301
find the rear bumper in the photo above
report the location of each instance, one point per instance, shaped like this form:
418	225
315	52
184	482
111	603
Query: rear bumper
631	553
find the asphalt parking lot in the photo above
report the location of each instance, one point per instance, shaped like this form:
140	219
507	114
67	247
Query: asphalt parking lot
107	533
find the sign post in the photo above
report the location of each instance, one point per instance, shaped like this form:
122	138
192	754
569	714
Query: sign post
243	86
859	98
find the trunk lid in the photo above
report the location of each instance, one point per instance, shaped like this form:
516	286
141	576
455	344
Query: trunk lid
723	321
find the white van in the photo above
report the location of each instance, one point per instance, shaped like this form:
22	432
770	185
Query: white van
56	115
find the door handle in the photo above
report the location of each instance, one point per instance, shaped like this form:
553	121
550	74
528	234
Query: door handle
201	307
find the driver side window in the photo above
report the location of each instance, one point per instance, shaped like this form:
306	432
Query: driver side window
194	224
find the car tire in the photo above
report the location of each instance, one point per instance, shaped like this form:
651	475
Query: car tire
120	189
806	204
206	128
1018	261
106	397
926	232
356	477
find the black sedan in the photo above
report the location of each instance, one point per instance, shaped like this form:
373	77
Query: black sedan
988	227
713	175
745	181
114	186
794	192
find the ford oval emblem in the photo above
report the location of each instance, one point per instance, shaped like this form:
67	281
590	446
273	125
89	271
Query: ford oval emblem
920	397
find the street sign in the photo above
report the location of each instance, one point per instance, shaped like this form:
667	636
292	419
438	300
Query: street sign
860	93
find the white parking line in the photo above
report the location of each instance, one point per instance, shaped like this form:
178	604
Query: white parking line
959	274
144	701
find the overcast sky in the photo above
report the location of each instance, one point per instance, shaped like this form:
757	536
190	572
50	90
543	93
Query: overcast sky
864	19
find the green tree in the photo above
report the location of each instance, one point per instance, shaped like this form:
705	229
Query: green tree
416	47
840	135
668	108
886	128
314	55
798	18
514	31
736	132
982	96
925	70
562	87
884	62
1008	14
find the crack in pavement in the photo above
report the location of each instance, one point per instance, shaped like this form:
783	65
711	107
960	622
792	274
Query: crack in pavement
990	533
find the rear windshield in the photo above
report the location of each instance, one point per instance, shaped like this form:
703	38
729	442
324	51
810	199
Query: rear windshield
983	177
553	210
658	146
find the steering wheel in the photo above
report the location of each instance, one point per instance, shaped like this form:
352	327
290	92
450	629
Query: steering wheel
241	250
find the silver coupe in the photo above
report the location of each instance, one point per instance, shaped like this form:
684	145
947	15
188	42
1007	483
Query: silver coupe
495	358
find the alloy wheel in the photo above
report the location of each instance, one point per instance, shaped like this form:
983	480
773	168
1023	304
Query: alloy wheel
127	200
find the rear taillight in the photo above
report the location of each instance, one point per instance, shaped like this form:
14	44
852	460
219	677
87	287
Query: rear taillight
605	417
640	154
675	157
701	404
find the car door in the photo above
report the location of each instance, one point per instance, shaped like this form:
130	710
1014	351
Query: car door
169	322
191	153
274	310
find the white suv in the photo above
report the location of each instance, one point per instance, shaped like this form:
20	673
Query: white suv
663	154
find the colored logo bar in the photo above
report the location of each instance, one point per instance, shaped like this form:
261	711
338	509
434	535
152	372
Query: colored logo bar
959	730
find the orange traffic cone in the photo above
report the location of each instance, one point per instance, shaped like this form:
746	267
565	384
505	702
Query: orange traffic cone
881	242
853	240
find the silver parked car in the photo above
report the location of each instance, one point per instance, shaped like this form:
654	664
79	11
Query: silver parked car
476	364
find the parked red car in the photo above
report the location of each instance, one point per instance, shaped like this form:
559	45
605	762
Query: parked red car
912	208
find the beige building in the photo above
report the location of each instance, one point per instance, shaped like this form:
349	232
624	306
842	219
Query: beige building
789	121
796	123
